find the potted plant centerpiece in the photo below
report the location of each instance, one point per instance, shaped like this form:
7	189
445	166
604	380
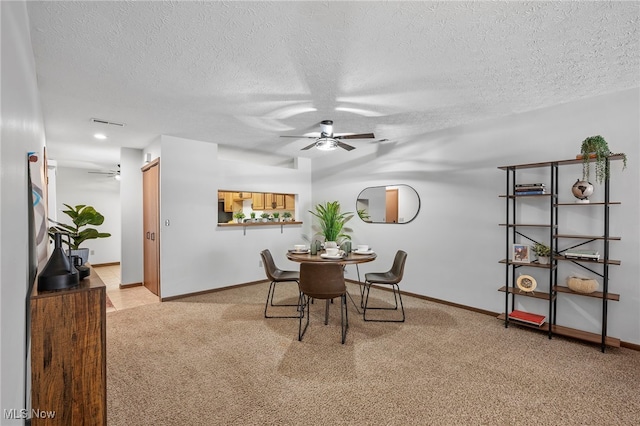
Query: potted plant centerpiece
595	147
332	222
543	252
81	216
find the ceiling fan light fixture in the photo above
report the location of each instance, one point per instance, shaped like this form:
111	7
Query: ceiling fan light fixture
326	144
326	128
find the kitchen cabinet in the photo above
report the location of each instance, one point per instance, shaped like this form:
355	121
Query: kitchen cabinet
257	201
290	202
230	203
274	201
238	196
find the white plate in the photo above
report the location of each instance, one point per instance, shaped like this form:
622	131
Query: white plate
326	256
363	252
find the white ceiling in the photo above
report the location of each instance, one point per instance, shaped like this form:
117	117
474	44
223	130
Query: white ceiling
243	73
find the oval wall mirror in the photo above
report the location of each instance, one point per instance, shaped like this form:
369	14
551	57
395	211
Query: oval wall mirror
388	204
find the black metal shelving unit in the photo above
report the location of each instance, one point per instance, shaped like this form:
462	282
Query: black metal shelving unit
515	230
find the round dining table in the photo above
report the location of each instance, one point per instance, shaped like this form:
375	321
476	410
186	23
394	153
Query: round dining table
352	258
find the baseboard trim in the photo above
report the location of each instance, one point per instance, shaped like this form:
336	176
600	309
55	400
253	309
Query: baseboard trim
630	346
130	285
213	290
432	299
96	265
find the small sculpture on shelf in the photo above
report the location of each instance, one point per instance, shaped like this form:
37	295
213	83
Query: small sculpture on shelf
582	190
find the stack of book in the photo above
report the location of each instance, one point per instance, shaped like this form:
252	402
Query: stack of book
527	317
582	254
529	189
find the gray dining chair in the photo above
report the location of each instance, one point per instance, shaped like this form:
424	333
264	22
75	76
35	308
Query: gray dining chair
391	277
322	281
276	276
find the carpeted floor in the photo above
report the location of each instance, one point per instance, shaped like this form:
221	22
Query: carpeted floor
215	360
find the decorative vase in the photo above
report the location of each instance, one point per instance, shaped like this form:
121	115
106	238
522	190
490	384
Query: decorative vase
543	260
58	273
330	244
582	190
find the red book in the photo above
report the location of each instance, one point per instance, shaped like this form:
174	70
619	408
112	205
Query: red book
527	317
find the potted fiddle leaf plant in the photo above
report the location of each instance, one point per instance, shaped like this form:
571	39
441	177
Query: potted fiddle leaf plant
82	217
596	147
332	222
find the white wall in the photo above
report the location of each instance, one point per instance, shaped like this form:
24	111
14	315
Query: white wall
78	186
455	243
21	131
131	270
198	255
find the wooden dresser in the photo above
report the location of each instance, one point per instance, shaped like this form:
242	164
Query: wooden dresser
68	354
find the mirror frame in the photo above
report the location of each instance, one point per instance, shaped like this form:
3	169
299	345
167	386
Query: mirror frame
387	186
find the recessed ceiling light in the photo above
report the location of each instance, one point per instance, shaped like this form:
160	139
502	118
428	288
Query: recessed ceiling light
100	136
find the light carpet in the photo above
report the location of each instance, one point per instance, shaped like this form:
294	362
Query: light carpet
215	360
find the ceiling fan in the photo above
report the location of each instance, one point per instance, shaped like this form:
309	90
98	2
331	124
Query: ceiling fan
109	173
327	141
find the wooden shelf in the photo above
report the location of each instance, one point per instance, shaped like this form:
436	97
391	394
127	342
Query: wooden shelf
568	332
596	294
559	163
534	294
240	225
539	225
587	204
532	264
556	292
586	237
601	261
526	195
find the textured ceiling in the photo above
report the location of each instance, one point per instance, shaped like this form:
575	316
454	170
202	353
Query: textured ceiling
243	73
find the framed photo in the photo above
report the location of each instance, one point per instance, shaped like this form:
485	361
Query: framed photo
521	253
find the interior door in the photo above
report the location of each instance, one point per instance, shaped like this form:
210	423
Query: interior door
391	204
151	225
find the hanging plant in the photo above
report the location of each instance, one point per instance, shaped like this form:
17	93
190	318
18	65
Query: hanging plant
595	147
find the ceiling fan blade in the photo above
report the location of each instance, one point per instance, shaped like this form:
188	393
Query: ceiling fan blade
345	146
308	147
299	137
358	136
